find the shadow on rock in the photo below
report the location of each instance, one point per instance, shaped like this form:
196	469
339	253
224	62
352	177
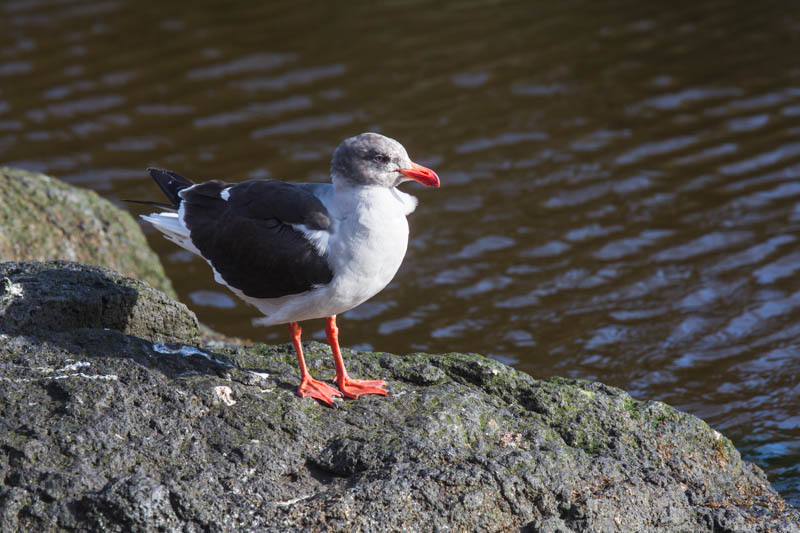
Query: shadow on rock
66	309
39	299
116	416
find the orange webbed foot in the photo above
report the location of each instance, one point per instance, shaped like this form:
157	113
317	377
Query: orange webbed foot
353	388
318	390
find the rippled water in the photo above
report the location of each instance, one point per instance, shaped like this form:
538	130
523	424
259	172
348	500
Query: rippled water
620	193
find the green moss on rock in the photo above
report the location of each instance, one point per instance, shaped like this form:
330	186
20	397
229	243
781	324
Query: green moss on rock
44	219
103	431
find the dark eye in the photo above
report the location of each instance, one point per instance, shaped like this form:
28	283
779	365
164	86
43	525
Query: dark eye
382	159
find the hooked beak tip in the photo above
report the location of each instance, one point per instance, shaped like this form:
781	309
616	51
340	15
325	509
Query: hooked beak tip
421	174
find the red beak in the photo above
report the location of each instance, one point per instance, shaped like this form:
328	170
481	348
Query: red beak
424	175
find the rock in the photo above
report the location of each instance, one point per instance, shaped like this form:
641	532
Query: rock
62	296
43	218
103	430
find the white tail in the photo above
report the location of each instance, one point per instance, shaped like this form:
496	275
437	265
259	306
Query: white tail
173	229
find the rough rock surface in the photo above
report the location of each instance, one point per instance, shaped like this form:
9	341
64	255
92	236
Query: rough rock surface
43	218
61	296
103	430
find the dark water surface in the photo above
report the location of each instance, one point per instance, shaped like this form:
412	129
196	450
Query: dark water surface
621	192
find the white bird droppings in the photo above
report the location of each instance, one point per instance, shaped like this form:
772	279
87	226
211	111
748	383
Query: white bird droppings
288	503
12	289
225	394
58	373
74	366
187	351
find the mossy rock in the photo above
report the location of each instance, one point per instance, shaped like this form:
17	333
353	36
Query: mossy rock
104	429
43	219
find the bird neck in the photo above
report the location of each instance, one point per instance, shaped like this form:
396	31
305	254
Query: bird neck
351	198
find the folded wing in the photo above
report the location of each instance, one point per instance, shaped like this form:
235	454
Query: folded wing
248	233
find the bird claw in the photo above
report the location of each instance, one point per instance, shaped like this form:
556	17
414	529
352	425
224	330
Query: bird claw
318	390
353	388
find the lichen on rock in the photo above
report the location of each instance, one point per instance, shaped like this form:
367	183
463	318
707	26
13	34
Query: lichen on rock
44	219
108	425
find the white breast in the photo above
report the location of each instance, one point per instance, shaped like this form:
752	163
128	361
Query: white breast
368	245
365	248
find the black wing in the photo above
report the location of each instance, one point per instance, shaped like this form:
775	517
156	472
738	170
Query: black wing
249	240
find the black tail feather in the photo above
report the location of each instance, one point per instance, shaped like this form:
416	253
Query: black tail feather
171	183
161	205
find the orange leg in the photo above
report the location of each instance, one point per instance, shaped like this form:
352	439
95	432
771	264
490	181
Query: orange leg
308	385
351	388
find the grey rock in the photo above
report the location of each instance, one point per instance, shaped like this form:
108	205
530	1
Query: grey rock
131	503
44	219
62	296
103	430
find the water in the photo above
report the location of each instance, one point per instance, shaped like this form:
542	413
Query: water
620	194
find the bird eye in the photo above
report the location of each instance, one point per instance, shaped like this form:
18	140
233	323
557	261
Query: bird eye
380	158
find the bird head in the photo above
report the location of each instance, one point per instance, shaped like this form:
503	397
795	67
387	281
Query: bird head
373	159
